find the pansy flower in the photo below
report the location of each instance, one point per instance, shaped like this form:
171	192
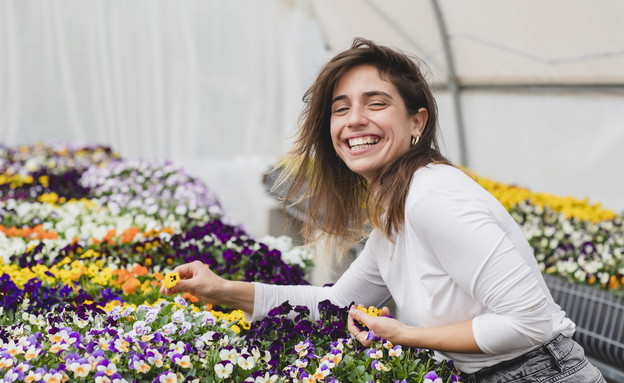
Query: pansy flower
183	361
171	279
322	372
34	376
379	366
432	377
224	369
13	375
246	361
101	377
53	377
80	367
395	351
154	357
166	377
374	354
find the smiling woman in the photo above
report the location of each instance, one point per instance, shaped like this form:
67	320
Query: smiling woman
454	261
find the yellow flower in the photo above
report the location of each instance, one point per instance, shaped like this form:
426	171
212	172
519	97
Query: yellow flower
44	181
50	198
171	279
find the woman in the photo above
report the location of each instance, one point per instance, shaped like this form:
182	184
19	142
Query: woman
456	264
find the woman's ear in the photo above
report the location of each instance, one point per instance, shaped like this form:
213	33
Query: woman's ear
420	121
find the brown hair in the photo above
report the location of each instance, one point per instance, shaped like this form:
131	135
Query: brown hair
339	201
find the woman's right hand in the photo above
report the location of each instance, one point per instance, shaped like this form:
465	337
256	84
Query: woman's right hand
197	278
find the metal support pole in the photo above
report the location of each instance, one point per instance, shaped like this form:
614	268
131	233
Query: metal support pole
453	83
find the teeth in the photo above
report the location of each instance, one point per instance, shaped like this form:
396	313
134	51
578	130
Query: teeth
362	142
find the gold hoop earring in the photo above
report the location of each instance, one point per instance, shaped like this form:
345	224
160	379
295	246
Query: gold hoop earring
415	140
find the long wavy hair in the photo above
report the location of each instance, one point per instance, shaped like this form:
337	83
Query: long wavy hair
340	203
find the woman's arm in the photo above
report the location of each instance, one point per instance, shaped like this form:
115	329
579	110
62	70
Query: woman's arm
483	251
361	283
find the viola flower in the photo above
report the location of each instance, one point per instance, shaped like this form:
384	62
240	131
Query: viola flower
374	354
34	376
182	361
116	378
171	279
101	377
432	377
177	317
246	362
140	366
58	348
301	348
228	353
224	369
377	365
177	347
80	368
155	358
13	375
169	328
395	351
166	377
108	368
180	300
121	345
13	349
321	373
185	327
53	377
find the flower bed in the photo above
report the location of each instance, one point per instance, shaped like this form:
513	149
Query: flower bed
571	238
86	240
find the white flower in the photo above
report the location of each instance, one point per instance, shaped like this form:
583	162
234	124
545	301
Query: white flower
169	377
229	355
224	369
177	347
246	362
178	316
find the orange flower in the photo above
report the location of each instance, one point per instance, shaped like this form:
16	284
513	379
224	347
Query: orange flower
130	285
613	282
122	276
158	276
139	270
36	232
129	234
190	297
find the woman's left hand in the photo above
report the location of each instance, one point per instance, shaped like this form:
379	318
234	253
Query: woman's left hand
382	326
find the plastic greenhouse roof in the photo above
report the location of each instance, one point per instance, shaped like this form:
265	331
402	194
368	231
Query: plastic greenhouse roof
490	42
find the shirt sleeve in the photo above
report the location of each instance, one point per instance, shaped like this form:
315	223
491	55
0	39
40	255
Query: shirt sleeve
472	246
361	283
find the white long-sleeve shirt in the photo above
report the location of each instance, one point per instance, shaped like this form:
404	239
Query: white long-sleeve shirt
459	256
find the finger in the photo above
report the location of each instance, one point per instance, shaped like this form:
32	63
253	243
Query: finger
353	328
385	311
185	271
359	316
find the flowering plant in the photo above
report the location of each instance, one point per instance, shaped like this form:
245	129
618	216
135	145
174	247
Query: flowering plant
176	341
571	238
82	260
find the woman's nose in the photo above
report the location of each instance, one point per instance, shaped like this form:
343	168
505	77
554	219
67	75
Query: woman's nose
357	117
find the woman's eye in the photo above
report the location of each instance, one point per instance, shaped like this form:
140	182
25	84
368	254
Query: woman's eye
377	104
341	109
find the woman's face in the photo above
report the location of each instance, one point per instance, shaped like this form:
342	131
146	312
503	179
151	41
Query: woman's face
370	126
